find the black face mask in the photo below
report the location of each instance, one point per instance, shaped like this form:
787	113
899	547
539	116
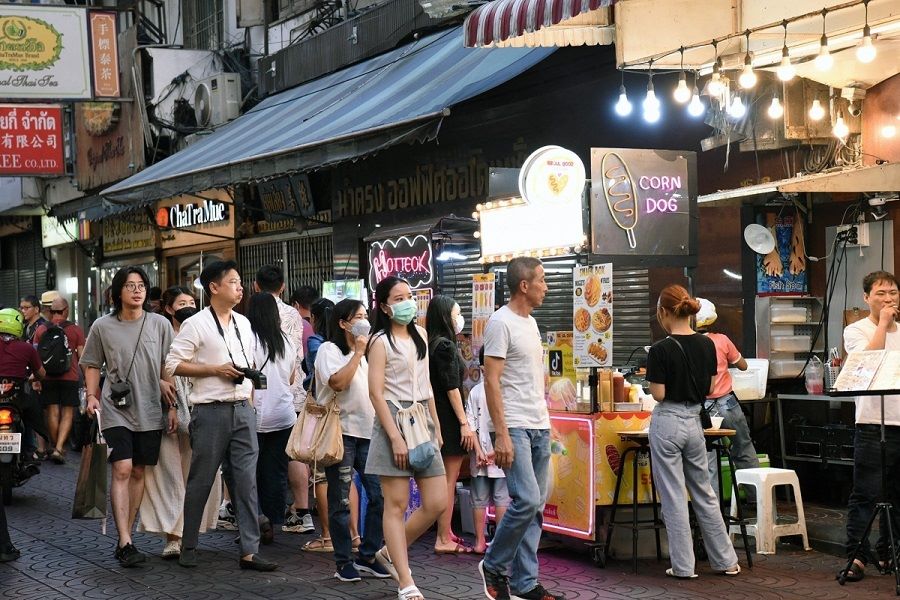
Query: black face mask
182	314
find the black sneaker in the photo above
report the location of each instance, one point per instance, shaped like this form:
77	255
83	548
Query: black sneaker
496	586
373	569
537	593
347	573
129	556
188	558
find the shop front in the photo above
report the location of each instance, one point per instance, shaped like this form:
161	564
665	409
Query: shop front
69	247
194	230
128	240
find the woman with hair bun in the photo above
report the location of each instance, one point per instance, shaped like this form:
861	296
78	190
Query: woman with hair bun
681	369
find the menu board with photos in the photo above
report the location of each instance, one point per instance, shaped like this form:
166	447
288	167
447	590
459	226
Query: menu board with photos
870	370
592	318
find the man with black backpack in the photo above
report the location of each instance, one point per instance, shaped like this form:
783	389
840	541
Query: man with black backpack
60	344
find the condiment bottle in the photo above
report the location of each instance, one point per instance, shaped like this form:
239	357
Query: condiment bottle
618	387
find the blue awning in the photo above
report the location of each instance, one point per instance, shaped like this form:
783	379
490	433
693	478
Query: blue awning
400	96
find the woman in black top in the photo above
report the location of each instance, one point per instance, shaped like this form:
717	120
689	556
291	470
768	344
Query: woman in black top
443	322
680	370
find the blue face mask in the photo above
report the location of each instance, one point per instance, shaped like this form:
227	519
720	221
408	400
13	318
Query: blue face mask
404	311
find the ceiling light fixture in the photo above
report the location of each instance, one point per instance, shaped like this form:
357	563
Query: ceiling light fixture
737	109
865	52
715	87
682	92
748	78
840	129
776	110
651	102
696	108
623	106
824	60
786	70
816	111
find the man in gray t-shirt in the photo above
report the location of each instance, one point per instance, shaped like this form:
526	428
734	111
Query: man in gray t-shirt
132	343
513	385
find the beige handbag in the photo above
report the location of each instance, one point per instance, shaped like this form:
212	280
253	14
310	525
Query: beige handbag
316	438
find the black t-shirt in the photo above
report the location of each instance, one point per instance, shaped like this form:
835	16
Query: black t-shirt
666	364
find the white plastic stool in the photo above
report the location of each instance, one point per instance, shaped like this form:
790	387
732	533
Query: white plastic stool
766	530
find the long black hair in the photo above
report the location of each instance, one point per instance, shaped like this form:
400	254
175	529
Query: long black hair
168	299
266	323
344	310
321	309
382	322
438	322
118	284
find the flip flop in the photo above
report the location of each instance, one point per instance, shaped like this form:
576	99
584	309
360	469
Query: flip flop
409	593
671	573
318	545
733	571
853	574
459	549
356	542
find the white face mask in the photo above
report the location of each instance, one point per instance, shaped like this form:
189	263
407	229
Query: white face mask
360	327
459	322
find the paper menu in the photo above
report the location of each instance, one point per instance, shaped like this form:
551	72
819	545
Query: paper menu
592	317
482	306
870	370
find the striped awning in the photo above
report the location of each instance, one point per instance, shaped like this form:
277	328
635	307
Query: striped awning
530	23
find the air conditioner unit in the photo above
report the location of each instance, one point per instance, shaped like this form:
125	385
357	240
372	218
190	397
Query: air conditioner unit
217	99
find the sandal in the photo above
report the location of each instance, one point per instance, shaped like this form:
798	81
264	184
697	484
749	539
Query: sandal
733	571
320	544
671	573
356	541
410	592
460	548
853	574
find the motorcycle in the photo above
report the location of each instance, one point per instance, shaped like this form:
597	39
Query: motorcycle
15	468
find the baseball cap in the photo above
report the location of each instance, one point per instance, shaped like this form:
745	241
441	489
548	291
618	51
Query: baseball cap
48	297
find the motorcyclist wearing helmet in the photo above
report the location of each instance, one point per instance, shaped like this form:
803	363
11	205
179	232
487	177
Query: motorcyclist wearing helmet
19	361
722	400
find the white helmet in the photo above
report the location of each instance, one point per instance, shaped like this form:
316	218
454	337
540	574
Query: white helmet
707	315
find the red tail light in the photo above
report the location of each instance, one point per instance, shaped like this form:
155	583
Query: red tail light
6	416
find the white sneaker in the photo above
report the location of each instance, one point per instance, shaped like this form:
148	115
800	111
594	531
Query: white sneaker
297	524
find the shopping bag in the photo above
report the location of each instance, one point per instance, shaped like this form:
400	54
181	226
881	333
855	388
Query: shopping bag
91	488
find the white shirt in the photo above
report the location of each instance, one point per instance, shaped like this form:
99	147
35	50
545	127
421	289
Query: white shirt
480	422
357	412
275	404
868	408
292	326
517	340
199	342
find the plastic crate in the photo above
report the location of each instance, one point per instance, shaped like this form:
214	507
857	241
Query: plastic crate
726	475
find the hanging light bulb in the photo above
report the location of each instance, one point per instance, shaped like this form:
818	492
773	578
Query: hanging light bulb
785	70
737	109
776	110
651	102
623	106
824	60
747	78
714	86
696	108
840	129
865	52
682	92
816	111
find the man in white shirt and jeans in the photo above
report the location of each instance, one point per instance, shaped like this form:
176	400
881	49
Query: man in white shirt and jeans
514	386
878	331
212	348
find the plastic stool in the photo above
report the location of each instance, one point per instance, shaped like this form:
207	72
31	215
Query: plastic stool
766	530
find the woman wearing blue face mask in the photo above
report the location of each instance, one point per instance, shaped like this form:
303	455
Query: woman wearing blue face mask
399	377
162	505
444	321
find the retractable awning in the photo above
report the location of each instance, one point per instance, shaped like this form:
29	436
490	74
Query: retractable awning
546	23
400	96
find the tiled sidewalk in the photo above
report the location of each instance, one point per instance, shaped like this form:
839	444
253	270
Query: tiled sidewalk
62	558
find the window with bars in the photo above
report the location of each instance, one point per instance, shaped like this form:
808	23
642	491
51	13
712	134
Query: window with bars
307	260
204	24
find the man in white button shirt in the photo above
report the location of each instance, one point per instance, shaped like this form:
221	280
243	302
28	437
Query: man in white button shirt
878	331
212	348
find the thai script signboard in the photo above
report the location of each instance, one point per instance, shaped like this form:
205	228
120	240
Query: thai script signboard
44	52
31	141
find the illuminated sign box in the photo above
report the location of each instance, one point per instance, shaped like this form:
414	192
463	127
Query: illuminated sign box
643	202
409	257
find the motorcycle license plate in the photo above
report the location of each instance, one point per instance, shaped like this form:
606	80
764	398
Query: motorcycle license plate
10	443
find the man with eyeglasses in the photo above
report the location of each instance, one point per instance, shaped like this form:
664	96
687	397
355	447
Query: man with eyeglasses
137	399
30	307
60	391
212	348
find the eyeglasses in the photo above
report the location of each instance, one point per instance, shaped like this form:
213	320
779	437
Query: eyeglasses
57	312
25	307
135	287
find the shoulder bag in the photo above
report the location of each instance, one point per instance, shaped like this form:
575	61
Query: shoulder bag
413	425
705	418
316	438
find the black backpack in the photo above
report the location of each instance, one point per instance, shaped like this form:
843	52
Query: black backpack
54	350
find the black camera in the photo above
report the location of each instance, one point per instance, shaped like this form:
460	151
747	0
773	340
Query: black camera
256	377
120	394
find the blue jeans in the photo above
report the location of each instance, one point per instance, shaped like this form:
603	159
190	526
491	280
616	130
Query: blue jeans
271	473
867	488
340	478
743	454
515	545
680	463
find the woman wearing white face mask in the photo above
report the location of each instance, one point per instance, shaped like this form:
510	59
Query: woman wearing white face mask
399	379
342	373
443	322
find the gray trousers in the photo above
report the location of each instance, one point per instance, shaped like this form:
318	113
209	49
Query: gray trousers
679	461
223	434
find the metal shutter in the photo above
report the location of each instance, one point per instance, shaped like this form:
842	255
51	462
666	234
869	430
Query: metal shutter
305	260
454	278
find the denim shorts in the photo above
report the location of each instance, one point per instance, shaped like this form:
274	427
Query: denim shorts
489	491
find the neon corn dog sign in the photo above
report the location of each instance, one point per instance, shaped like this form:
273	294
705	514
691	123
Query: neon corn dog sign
409	257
